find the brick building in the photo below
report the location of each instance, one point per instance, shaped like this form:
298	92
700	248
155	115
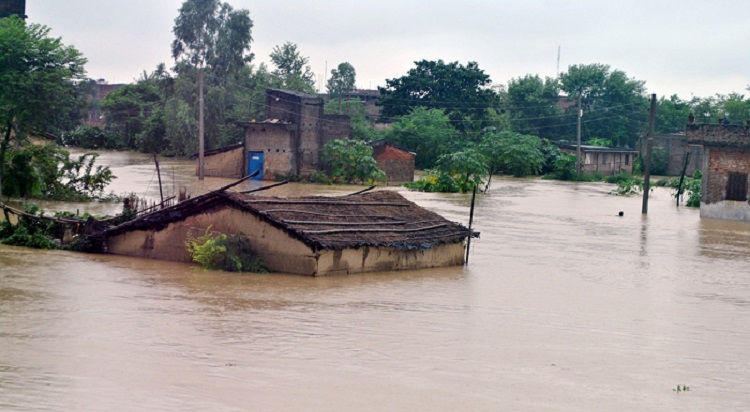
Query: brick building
13	7
672	150
397	163
603	160
288	143
726	164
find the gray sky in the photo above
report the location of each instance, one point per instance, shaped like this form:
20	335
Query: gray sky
687	47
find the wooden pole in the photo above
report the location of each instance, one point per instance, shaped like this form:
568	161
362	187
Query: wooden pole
578	134
649	148
471	221
158	174
682	176
201	139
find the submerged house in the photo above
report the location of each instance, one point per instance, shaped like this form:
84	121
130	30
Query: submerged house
604	160
285	145
726	165
375	231
396	162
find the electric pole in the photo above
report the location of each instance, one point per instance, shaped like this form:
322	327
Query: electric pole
649	146
578	134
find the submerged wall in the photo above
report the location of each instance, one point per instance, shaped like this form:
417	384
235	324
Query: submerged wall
378	259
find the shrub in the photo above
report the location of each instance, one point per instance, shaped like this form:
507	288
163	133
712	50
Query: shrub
218	251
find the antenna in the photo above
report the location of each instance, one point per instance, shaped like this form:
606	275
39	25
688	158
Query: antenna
557	73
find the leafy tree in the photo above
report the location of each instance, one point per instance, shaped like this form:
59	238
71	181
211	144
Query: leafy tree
343	79
672	114
467	168
362	129
462	92
615	106
532	103
37	82
351	161
734	107
427	132
512	153
134	114
211	35
292	68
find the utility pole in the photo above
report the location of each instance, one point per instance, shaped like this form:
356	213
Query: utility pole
578	134
201	142
649	148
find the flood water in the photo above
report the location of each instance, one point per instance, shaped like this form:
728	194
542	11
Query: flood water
564	306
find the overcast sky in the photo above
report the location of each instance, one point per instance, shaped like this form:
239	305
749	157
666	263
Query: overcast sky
686	47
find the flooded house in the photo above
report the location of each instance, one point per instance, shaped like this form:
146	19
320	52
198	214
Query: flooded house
286	144
604	160
726	165
396	162
375	231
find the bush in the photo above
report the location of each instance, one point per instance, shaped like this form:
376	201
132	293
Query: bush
222	252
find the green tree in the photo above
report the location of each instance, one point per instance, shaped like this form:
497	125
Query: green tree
462	92
37	82
466	168
134	113
615	106
351	161
532	104
362	129
210	35
292	68
427	132
343	79
672	114
734	107
512	153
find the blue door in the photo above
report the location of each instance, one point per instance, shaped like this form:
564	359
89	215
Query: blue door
255	162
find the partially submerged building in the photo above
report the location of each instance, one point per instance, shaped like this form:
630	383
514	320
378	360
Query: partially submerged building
726	165
288	143
376	231
396	162
604	160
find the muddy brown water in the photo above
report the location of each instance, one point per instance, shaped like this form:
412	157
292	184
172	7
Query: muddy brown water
564	306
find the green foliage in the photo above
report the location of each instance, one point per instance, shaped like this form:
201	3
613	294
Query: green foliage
659	161
533	105
29	232
466	168
351	161
48	172
218	251
292	68
596	141
690	185
512	153
614	105
427	132
343	79
462	92
626	184
564	168
90	137
434	181
134	113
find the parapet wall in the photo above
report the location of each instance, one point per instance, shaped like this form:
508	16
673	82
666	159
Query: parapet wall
718	135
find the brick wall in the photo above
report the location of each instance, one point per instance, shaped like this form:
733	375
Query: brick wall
722	161
717	135
275	141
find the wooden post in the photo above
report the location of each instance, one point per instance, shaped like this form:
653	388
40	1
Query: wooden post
158	174
682	176
471	221
201	139
649	148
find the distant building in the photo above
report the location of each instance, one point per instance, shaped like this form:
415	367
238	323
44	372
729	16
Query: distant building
100	90
673	150
726	165
13	7
604	160
397	163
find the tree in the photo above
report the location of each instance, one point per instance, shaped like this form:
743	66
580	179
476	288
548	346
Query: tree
38	76
211	34
462	92
672	114
427	132
532	104
343	79
351	161
362	128
292	68
512	153
134	113
615	106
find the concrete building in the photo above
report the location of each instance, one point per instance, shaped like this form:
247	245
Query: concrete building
604	160
13	7
726	165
